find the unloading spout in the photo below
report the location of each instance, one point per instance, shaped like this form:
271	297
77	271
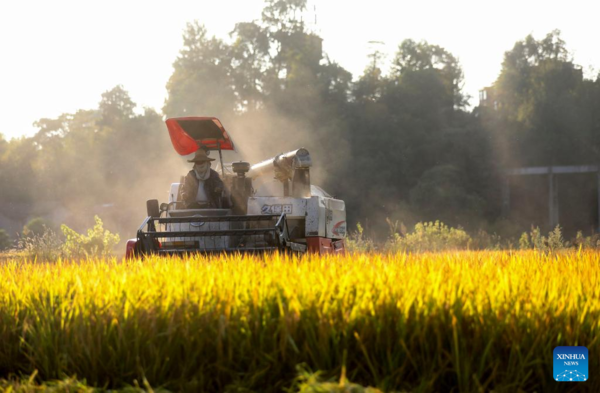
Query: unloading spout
293	166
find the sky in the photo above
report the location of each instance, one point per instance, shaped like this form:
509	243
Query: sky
60	56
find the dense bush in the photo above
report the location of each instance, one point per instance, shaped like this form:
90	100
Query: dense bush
430	236
47	245
437	236
97	243
553	242
358	242
36	227
426	237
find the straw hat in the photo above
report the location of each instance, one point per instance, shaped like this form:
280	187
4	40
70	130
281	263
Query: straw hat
201	156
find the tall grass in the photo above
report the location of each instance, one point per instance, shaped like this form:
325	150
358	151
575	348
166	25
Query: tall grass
472	321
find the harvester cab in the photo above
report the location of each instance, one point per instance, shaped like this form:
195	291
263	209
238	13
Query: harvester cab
293	215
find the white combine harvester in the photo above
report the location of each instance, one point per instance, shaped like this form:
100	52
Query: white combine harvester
283	213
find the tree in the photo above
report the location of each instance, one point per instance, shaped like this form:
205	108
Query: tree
424	57
202	82
335	82
284	16
542	111
370	85
250	60
115	106
406	126
36	227
107	160
3	144
540	107
5	241
441	194
18	175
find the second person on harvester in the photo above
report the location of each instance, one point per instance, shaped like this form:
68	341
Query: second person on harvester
202	187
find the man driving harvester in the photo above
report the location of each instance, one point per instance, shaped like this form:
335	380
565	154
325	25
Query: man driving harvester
202	187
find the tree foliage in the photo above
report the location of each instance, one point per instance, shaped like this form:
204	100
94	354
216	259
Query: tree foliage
107	161
400	144
5	241
36	227
201	81
542	109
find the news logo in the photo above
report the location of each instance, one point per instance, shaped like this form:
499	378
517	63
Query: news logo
571	364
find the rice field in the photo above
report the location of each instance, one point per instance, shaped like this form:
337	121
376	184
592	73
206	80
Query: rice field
455	321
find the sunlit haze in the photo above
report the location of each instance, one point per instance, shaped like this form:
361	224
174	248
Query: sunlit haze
60	56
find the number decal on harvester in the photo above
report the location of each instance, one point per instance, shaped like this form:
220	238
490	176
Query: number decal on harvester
276	209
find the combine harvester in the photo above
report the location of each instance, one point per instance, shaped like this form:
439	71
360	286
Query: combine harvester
293	216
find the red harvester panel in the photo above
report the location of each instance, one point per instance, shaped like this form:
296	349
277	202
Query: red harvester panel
188	133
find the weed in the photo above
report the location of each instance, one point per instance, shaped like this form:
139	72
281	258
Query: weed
46	246
358	242
430	236
97	243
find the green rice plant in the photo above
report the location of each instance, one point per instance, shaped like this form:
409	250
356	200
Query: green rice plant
66	385
309	382
28	385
